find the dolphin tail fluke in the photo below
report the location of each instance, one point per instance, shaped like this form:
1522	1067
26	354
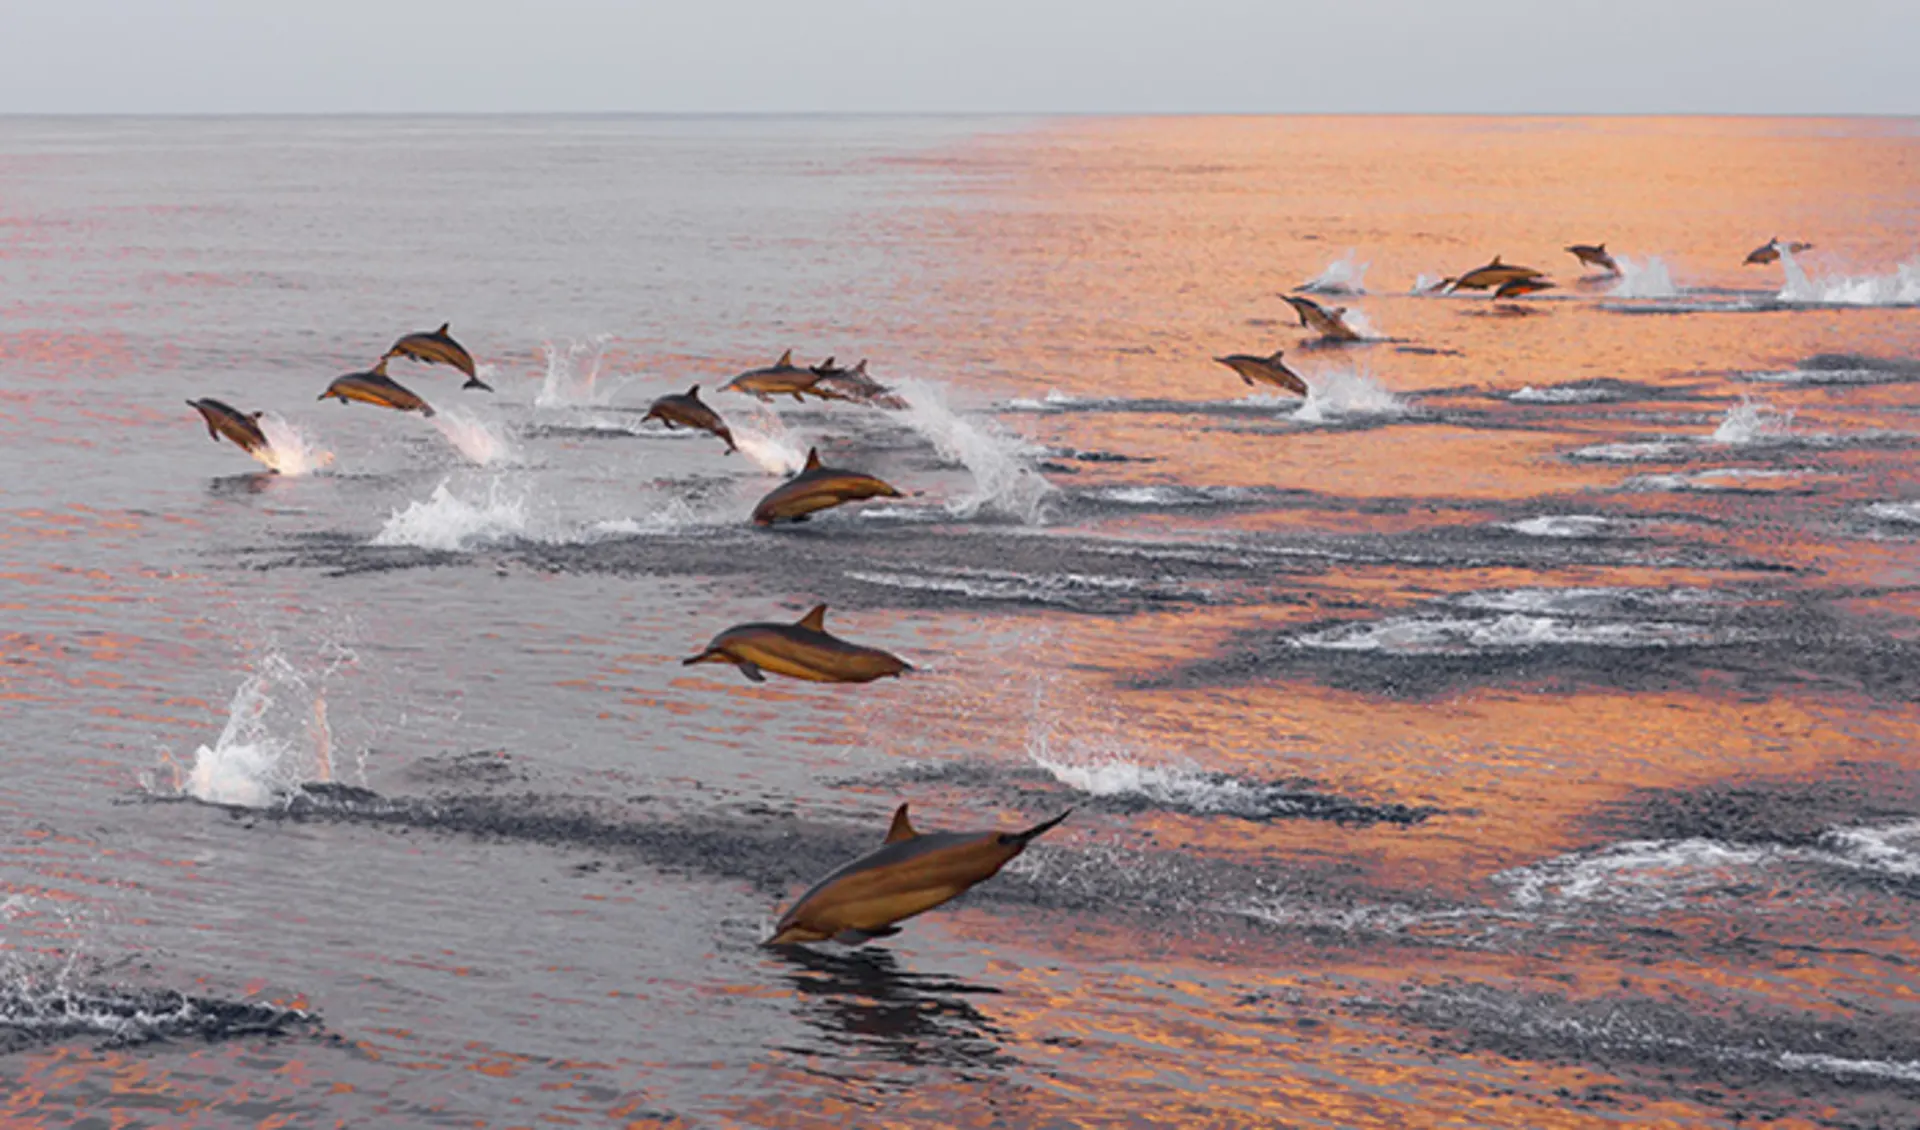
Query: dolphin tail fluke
1035	832
426	409
476	382
727	434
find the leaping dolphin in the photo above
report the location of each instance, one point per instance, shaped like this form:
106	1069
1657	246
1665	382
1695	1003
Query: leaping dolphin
242	429
817	487
1770	251
435	347
1329	324
1493	274
911	873
1264	369
782	377
854	385
688	410
1520	288
800	650
1594	255
375	387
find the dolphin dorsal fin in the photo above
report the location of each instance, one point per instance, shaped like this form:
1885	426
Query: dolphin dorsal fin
694	392
813	459
1276	356
256	415
815	620
380	368
1336	311
443	328
901	828
1600	247
861	368
1496	262
786	360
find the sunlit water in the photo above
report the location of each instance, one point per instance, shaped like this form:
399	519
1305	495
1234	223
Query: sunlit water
1516	730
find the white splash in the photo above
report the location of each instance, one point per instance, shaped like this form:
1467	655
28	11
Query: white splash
447	522
1563	526
1338	394
1753	421
1108	774
1562	394
1723	478
276	738
483	442
1643	280
290	451
1424	283
1359	323
1005	480
573	374
1906	513
1901	288
1447	635
763	437
1345	275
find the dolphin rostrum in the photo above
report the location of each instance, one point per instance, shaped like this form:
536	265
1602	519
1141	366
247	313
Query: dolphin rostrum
1770	251
909	874
1328	323
375	387
688	410
817	487
1493	274
1519	288
1594	255
1264	369
435	347
783	377
242	429
800	650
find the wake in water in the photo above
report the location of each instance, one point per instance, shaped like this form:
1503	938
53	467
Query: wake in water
483	442
1901	288
1006	480
276	739
1345	275
1343	394
572	379
445	521
763	437
289	450
1650	279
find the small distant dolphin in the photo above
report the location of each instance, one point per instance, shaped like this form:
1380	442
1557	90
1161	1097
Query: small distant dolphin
375	387
688	410
780	378
853	385
909	874
436	348
800	650
816	488
242	429
1268	369
1770	251
1594	255
1519	288
1327	323
1493	274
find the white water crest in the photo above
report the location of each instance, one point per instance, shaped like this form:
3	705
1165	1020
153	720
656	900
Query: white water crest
1339	394
1650	279
1753	421
763	437
572	379
1181	786
1905	513
446	521
289	450
1449	635
1724	478
1564	526
1562	394
1359	323
276	738
1900	288
1006	481
1345	275
485	443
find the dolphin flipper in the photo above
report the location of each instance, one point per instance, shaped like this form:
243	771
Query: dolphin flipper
751	671
476	382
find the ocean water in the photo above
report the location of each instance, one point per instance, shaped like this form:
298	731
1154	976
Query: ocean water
1519	730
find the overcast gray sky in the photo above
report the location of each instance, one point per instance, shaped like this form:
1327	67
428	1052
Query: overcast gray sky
320	56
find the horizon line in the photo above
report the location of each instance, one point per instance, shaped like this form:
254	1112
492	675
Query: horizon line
911	114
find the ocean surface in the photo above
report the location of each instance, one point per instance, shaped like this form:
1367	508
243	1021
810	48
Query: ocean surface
1518	730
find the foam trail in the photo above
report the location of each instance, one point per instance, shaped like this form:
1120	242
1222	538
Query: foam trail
483	442
1005	480
573	374
1753	421
1901	288
762	437
1643	280
254	762
1339	394
1345	275
289	451
1359	323
447	522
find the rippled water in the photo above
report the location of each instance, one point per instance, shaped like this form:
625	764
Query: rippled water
1517	731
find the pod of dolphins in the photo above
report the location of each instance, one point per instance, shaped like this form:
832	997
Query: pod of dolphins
910	872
